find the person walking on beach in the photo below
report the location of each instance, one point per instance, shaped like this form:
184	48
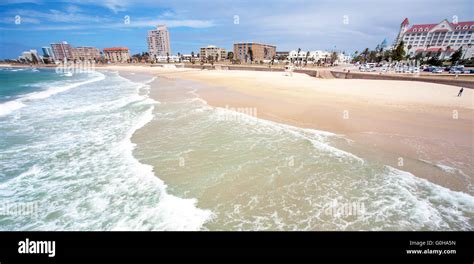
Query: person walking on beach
460	91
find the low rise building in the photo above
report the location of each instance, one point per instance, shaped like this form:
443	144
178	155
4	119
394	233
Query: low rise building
117	54
87	53
250	51
217	54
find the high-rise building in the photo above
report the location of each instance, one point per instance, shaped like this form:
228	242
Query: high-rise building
87	53
30	56
444	38
246	52
159	42
63	51
216	53
117	54
48	52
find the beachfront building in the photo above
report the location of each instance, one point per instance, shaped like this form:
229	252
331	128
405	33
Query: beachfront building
170	58
217	54
63	51
444	37
282	55
159	42
312	56
117	54
30	56
250	51
87	53
48	53
343	58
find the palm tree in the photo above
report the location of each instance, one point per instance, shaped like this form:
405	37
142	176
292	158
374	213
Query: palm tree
333	57
365	53
298	55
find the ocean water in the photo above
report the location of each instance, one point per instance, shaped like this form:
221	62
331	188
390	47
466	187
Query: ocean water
66	150
66	158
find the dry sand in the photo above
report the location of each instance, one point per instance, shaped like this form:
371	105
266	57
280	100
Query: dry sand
409	125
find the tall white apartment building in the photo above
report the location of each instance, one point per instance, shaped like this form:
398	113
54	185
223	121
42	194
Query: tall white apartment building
159	42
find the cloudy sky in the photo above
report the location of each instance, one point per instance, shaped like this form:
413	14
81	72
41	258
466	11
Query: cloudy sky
289	24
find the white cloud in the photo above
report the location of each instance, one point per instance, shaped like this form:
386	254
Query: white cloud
170	23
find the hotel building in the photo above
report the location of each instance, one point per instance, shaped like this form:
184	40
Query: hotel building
48	52
30	56
246	52
159	42
63	51
445	36
216	53
117	54
87	53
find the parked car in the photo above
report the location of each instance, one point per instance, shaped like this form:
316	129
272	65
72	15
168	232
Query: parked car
437	70
455	70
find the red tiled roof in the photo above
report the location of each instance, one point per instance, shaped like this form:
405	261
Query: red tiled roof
423	27
405	22
116	49
461	25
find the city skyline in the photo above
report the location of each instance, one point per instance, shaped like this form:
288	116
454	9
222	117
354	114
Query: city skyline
309	26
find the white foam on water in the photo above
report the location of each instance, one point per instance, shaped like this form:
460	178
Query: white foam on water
87	178
171	213
317	137
422	204
10	106
54	90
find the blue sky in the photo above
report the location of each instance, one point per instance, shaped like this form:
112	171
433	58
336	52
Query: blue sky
289	24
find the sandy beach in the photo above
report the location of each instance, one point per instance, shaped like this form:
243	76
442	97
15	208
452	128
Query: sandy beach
421	128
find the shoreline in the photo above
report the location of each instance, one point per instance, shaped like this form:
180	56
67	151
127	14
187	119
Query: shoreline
412	140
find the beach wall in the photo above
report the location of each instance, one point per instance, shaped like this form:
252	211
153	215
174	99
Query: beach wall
369	76
327	74
234	67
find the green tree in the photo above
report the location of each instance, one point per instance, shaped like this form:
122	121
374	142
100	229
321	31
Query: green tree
250	54
333	57
456	56
399	53
230	55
